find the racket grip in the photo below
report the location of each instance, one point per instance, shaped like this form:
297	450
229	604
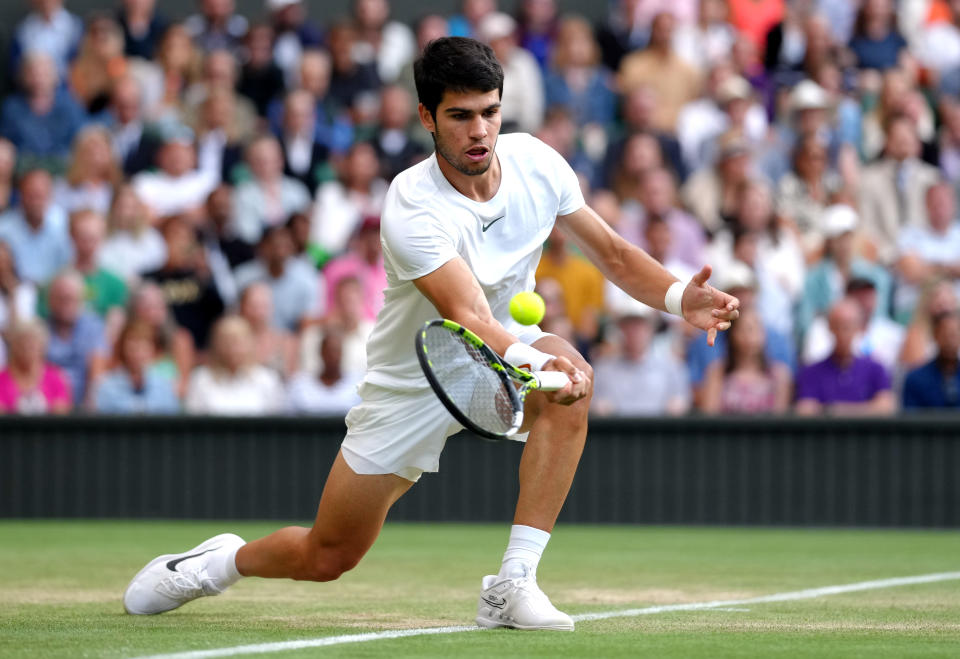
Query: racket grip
551	380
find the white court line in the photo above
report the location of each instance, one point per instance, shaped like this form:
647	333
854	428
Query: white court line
810	593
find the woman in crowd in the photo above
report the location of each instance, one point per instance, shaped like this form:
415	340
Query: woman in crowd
937	298
30	384
233	383
274	348
876	43
174	351
18	298
133	247
100	63
745	382
92	175
137	385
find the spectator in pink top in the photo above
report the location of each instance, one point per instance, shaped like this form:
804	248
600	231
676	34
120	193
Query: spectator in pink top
363	261
30	384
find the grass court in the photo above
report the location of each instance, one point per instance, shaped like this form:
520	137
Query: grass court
63	582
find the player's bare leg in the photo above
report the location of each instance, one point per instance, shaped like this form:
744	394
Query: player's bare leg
351	513
512	598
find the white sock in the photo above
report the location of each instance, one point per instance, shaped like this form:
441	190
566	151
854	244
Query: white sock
523	553
222	567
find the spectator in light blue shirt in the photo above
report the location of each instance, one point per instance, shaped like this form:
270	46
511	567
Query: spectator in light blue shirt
37	231
136	386
295	285
49	29
77	338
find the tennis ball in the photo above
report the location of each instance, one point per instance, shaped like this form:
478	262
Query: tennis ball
527	308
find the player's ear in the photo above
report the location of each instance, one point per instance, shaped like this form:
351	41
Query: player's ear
426	118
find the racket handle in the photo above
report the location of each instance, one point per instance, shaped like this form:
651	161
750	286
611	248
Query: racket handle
551	380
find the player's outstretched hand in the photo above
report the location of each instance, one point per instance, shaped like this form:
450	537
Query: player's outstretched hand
706	307
578	386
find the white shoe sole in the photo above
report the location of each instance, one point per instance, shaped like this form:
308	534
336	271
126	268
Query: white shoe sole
169	557
489	623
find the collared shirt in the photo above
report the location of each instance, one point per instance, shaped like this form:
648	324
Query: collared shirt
930	387
39	254
73	352
829	382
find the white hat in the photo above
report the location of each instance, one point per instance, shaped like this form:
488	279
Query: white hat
808	95
496	25
736	275
622	305
734	88
838	220
277	5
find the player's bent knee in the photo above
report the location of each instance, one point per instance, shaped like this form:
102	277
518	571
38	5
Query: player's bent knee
329	566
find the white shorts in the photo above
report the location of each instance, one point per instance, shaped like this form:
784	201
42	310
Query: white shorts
400	431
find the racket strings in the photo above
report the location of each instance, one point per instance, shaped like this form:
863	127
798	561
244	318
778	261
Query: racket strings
469	381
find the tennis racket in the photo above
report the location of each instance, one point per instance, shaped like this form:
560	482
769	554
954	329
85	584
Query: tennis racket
480	390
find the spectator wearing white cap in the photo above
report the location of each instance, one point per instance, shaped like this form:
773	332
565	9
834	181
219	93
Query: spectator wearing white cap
637	380
826	281
522	99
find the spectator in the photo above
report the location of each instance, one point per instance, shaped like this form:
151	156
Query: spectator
363	261
638	381
745	382
844	384
341	205
77	343
37	231
673	81
640	155
468	23
576	80
220	73
176	65
754	18
388	44
879	337
174	349
218	235
712	193
636	112
708	39
178	187
42	120
132	247
100	63
221	134
217	26
898	98
233	383
354	85
393	141
294	284
740	281
92	175
135	385
331	392
269	198
142	27
275	348
187	284
928	252
876	43
49	29
346	314
104	292
30	384
18	298
936	297
522	99
581	282
294	34
428	28
304	154
658	241
8	165
937	384
621	33
537	20
826	281
133	145
261	80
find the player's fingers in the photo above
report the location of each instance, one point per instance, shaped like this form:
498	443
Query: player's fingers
701	277
711	336
726	314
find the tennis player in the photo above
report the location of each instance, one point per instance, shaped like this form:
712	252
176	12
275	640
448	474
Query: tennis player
462	233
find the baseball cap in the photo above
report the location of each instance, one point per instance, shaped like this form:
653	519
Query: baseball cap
838	220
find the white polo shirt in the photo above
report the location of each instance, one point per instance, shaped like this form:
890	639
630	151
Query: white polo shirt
426	222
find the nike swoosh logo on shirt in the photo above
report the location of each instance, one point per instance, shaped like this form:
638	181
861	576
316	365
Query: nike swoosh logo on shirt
172	565
492	222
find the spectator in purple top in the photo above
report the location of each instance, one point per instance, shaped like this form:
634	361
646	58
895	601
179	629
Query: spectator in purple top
844	384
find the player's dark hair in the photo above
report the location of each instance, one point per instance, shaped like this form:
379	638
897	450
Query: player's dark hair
457	64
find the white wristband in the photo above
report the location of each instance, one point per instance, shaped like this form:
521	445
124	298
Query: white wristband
520	355
672	300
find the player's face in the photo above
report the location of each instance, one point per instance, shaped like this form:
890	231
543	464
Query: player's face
466	129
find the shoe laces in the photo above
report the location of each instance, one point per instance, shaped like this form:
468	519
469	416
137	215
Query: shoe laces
529	585
187	585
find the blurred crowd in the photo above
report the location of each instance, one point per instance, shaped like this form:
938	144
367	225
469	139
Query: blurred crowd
190	204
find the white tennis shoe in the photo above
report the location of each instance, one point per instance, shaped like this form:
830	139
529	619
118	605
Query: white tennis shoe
172	580
518	603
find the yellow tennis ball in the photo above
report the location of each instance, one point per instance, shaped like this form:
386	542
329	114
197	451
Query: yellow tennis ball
527	308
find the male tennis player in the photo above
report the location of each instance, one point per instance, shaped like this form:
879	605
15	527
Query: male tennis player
461	233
